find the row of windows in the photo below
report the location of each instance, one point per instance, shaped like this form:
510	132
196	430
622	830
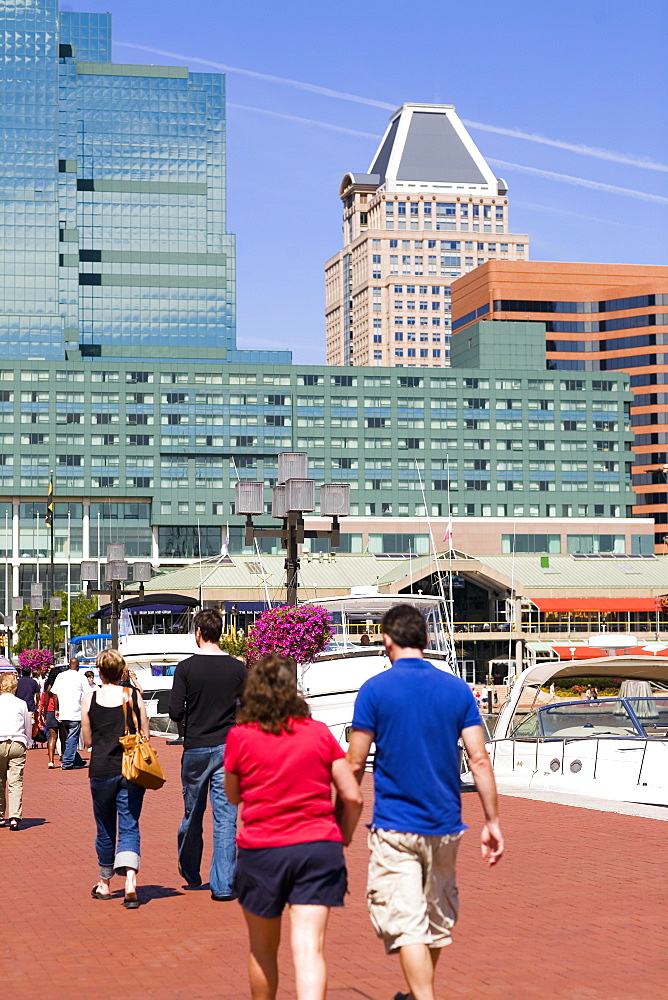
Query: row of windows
600	365
445	208
605	305
420	244
342	381
422	289
603	326
577	544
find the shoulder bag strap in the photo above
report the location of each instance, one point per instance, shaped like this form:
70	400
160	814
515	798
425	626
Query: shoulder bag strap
128	703
125	711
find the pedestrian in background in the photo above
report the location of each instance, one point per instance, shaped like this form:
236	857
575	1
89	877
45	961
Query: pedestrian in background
415	714
204	697
68	689
47	714
15	735
27	688
281	764
117	802
28	691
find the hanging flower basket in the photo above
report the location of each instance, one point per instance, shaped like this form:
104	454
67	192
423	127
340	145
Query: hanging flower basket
300	633
37	659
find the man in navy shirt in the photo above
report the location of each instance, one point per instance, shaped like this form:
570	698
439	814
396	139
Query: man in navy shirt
415	714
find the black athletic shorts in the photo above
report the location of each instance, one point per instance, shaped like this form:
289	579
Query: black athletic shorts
311	874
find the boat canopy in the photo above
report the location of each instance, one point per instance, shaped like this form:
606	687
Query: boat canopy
150	604
646	668
375	603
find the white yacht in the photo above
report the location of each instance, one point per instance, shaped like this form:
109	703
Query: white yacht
155	635
608	748
355	653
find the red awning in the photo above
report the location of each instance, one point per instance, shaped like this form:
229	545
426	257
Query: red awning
594	603
579	652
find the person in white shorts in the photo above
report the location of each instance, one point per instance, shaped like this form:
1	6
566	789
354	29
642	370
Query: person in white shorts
416	714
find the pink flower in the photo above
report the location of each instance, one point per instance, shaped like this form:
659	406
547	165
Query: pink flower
300	633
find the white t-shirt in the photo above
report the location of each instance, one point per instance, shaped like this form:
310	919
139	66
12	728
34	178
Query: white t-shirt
15	720
70	686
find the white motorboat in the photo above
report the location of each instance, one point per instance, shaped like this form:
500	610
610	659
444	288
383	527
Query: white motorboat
155	636
607	748
355	653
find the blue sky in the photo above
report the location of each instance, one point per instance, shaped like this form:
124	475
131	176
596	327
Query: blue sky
589	77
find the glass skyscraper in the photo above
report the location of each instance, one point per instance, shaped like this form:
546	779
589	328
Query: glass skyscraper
113	238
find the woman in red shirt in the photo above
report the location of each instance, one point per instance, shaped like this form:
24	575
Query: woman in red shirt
280	764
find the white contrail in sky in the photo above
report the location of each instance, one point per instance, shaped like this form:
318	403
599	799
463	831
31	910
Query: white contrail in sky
612	156
581	181
530	207
600	154
311	87
548	174
303	121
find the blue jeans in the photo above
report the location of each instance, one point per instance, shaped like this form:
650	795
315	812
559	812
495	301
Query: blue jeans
201	773
116	802
71	755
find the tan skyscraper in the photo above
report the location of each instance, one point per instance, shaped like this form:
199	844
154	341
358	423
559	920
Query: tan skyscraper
429	210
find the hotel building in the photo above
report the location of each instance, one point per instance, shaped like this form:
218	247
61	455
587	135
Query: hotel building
429	210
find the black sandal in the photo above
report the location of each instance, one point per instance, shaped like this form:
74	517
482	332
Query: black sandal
131	902
100	895
14	824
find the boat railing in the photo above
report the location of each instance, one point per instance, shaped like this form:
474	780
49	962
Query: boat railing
640	743
563	628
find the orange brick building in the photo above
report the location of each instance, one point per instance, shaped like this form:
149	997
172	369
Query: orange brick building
598	317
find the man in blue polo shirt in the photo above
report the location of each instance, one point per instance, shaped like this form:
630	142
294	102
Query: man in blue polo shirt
415	714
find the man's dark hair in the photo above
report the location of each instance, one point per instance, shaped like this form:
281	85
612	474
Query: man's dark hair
405	625
53	673
210	624
26	671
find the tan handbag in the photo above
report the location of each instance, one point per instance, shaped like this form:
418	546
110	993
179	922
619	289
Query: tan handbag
140	761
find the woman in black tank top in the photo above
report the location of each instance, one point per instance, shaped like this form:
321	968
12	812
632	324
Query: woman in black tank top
117	802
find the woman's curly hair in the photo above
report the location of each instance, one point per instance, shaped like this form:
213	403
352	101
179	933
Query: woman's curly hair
270	698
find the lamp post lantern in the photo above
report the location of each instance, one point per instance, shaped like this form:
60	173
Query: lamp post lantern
293	497
116	573
36	605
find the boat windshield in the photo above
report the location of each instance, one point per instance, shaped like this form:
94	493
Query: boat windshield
606	717
652	714
86	647
360	625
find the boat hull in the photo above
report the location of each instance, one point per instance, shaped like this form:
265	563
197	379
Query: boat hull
625	770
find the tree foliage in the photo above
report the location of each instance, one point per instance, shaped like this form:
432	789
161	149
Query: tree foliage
80	607
234	644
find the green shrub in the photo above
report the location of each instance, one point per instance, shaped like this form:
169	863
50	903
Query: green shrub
235	643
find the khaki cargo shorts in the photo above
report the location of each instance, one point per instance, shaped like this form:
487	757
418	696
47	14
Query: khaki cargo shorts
411	889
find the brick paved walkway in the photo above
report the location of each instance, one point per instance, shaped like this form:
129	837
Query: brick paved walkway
575	911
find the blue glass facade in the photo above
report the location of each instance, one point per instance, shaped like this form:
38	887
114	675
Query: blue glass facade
112	210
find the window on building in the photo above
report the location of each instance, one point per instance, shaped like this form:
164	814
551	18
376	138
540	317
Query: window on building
592	544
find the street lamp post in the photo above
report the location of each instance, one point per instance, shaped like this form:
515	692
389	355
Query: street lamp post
291	499
55	605
116	573
17	605
36	605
